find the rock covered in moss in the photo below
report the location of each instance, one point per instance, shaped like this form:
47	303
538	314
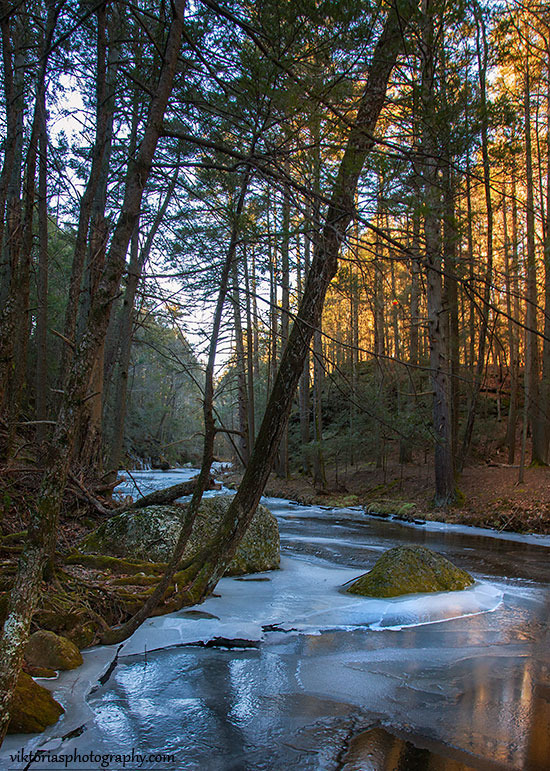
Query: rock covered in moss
410	570
151	533
77	625
259	549
38	671
146	534
400	509
50	650
33	707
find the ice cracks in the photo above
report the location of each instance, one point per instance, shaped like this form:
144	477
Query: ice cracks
301	597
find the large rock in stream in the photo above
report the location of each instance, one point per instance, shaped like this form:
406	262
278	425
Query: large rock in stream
410	570
150	534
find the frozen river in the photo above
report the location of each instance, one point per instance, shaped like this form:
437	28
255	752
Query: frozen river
282	670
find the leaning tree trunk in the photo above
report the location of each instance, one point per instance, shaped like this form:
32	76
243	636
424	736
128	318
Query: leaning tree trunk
323	269
203	481
42	529
204	574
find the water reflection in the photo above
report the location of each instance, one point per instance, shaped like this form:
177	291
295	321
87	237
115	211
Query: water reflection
379	750
468	693
476	700
359	542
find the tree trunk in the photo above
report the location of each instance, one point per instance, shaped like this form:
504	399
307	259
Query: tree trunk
379	330
10	221
240	364
304	400
319	473
169	494
89	441
406	445
482	56
273	312
138	260
285	310
451	296
539	449
113	341
545	384
251	354
17	308
445	491
103	129
42	529
510	269
322	270
42	286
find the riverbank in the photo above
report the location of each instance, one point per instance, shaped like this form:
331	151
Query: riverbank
490	495
282	670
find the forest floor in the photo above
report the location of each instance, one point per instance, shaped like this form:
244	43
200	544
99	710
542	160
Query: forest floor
490	495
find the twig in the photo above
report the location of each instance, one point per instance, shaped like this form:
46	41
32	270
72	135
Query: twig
65	339
89	496
134	481
90	396
37	423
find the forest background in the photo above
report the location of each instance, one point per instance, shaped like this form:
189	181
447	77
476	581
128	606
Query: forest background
170	171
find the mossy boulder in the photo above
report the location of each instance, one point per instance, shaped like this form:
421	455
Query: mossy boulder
400	509
77	626
50	650
38	671
151	533
33	707
410	570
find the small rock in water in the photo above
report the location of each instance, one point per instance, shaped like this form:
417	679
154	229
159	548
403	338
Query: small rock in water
51	651
197	615
410	570
259	578
33	708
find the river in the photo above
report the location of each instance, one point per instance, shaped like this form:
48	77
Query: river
284	671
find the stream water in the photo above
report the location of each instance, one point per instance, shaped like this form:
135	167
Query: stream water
282	670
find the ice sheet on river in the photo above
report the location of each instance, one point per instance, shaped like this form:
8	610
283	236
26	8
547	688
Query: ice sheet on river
294	700
479	683
304	597
301	597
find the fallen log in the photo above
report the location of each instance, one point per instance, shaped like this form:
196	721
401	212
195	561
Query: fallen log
169	494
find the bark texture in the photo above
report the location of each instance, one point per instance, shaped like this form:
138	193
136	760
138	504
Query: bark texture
42	529
323	268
